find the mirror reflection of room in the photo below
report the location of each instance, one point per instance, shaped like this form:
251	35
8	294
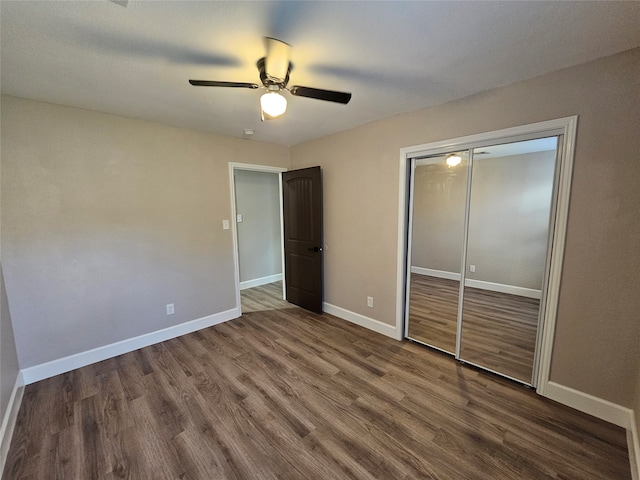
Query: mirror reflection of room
509	210
507	204
439	197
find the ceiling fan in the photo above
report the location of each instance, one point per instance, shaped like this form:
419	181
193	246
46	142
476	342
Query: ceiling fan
274	70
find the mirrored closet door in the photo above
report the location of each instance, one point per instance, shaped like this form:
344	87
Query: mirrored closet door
508	231
438	218
483	221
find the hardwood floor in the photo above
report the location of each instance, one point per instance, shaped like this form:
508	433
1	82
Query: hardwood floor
282	393
265	297
498	330
433	311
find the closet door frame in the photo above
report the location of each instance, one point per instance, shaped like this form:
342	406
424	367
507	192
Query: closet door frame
565	128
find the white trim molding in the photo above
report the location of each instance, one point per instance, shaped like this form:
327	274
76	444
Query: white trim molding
9	419
78	360
598	407
605	410
366	322
234	226
633	443
256	282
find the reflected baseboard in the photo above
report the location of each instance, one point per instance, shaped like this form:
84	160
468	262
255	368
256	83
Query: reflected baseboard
481	284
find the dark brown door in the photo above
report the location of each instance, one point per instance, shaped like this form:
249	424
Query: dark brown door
302	209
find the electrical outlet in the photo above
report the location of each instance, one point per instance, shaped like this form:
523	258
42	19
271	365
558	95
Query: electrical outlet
369	301
225	224
170	309
472	268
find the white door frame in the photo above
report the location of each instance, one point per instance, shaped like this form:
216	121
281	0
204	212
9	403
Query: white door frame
567	127
233	166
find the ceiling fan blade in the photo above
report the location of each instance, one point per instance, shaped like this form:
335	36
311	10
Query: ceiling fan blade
328	95
213	83
277	59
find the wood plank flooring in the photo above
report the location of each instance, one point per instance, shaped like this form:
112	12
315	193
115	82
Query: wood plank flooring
281	393
265	297
433	311
498	330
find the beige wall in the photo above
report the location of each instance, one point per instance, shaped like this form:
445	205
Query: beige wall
106	220
597	336
259	243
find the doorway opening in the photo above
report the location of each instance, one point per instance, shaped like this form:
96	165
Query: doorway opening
257	227
482	222
278	246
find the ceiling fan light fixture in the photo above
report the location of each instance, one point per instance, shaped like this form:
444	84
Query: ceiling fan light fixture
273	104
453	160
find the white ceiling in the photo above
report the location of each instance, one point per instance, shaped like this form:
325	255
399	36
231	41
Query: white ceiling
394	57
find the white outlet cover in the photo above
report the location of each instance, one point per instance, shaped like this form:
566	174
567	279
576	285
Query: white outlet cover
225	224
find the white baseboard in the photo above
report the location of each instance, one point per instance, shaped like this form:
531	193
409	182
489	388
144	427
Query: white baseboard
604	410
436	273
66	364
633	441
598	407
256	282
366	322
9	419
499	287
481	284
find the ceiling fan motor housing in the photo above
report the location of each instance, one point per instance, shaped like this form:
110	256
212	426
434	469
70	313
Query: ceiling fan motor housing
267	80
